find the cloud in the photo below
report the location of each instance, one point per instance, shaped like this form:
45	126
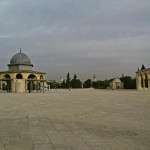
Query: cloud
64	36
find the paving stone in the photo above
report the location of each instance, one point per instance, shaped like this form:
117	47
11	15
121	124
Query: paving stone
1	147
43	147
19	146
26	136
80	119
40	140
6	140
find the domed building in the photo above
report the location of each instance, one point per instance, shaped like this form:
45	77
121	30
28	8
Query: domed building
116	84
20	78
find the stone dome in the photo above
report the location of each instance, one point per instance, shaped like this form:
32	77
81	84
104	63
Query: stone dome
116	80
20	59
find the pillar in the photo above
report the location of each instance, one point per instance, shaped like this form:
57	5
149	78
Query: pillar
36	86
138	81
143	82
19	86
26	85
31	86
1	85
148	78
13	88
43	86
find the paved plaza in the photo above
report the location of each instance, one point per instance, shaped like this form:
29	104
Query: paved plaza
84	119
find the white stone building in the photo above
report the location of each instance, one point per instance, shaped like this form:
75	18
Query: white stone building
20	77
116	84
143	79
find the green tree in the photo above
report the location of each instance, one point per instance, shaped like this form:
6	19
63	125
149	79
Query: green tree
53	84
101	84
76	83
68	81
128	82
63	84
143	67
75	76
87	83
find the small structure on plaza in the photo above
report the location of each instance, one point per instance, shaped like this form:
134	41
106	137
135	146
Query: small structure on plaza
143	78
20	78
116	84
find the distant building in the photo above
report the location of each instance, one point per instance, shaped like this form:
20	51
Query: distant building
116	84
61	79
143	79
94	78
20	77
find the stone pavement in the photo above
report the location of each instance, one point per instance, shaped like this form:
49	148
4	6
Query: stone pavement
75	120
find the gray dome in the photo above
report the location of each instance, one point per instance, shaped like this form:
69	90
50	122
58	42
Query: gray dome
20	58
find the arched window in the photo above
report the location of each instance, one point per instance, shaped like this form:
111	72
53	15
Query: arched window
19	76
41	77
32	76
8	83
7	76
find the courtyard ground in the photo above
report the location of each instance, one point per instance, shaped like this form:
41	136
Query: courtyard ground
84	119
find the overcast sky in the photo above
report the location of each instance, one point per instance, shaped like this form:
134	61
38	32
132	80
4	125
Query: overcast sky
86	37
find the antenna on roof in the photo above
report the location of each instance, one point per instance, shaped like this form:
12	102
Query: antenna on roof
20	50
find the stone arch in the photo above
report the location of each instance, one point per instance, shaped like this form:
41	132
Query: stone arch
143	79
41	77
32	76
7	79
19	76
7	76
31	85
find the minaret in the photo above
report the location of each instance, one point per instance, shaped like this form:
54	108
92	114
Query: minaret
61	79
94	78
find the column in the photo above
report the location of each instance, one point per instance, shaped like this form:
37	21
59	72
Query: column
138	81
43	86
37	86
148	84
143	84
13	85
31	86
1	84
25	85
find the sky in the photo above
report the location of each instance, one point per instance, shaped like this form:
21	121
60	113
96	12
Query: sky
83	37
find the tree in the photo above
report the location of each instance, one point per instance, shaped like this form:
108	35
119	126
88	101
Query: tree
68	81
76	83
87	83
101	84
128	82
143	67
63	84
75	76
54	85
96	84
